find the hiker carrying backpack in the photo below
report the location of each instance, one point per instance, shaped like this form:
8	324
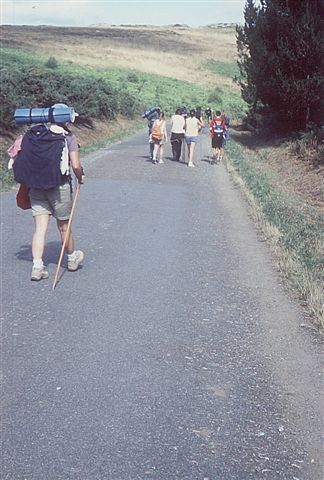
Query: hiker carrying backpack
218	127
159	137
151	114
42	164
217	130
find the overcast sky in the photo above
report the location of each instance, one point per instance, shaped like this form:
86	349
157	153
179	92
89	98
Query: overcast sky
116	12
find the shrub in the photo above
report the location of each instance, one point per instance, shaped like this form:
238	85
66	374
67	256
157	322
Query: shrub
51	63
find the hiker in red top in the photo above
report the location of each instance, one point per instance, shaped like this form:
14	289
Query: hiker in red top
217	130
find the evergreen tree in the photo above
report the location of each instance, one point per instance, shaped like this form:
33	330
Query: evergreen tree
280	50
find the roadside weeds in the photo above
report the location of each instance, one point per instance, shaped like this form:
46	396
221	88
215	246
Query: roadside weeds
293	230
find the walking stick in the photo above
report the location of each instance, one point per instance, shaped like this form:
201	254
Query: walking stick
66	235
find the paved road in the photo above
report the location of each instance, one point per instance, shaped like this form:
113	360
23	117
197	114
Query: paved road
173	354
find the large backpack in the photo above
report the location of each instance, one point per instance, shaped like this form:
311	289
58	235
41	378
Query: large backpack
38	164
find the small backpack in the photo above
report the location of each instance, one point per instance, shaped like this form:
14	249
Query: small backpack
157	134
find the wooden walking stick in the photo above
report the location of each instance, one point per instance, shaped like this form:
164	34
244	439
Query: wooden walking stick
67	234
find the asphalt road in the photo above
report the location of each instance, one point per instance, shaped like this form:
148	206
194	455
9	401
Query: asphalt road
175	353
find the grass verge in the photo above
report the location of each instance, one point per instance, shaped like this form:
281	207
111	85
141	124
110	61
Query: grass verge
293	228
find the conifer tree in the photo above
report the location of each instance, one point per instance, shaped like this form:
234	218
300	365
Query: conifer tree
280	50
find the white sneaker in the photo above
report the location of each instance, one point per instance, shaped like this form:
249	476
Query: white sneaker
38	274
73	265
191	164
160	161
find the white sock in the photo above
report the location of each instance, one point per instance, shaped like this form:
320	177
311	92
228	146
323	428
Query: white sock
38	263
71	256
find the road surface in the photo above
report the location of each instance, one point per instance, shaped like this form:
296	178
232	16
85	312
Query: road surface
175	353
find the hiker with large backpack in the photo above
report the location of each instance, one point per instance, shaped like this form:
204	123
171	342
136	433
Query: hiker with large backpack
151	114
159	137
217	130
48	153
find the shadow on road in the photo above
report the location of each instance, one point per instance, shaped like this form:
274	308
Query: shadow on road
51	255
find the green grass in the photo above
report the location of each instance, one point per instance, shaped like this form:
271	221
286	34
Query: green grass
148	89
225	69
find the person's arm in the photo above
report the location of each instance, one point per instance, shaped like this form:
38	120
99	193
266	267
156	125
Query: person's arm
76	166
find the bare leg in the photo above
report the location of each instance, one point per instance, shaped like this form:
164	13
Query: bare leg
161	154
155	152
62	226
39	236
192	149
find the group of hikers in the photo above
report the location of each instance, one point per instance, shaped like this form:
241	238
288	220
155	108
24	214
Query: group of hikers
44	158
185	128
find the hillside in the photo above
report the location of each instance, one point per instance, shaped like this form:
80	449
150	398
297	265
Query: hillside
176	52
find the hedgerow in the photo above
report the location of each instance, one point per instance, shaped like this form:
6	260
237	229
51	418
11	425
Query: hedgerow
37	86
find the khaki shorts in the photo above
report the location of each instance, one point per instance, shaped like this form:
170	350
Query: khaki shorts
55	201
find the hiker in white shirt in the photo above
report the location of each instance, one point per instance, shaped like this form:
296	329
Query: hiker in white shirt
177	134
191	135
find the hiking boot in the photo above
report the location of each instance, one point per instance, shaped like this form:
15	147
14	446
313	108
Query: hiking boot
38	274
73	265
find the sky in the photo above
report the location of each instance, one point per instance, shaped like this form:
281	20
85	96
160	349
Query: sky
118	12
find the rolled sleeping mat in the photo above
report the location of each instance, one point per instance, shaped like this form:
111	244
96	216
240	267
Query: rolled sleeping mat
149	112
59	113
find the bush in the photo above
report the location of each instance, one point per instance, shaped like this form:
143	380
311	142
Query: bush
51	63
92	97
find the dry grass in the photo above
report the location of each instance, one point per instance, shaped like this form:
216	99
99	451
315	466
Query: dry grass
172	52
